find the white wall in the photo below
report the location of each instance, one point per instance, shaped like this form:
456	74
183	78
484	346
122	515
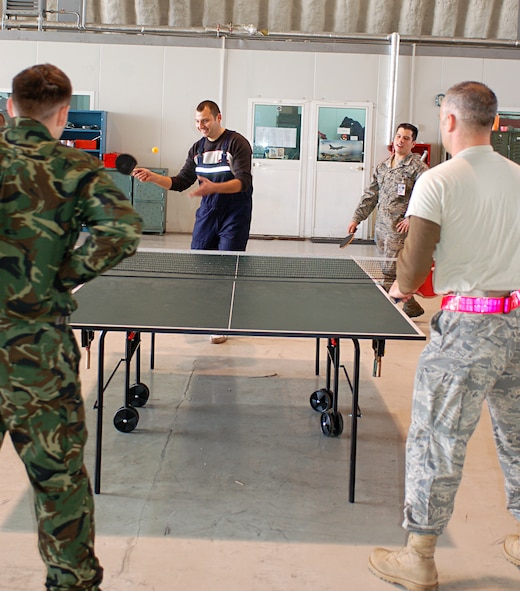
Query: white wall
151	91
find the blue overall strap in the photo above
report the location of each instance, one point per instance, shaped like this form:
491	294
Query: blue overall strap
200	151
217	171
224	149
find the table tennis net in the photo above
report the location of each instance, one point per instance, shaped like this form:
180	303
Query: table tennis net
157	263
380	269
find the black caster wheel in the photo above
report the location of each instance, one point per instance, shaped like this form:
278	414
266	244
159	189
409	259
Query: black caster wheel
139	394
332	423
126	419
321	400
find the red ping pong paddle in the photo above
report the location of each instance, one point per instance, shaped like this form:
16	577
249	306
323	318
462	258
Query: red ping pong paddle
125	163
346	241
426	289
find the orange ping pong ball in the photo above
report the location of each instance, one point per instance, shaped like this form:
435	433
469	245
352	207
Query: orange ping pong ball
155	149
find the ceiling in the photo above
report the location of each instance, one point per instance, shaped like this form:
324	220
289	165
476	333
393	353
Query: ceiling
451	22
484	19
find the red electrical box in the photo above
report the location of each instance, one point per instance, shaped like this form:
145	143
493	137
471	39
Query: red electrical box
424	150
86	144
110	159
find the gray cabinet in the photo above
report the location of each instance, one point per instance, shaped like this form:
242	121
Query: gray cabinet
122	182
150	202
507	143
148	199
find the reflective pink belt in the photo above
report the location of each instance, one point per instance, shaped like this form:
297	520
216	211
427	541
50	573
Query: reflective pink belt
461	303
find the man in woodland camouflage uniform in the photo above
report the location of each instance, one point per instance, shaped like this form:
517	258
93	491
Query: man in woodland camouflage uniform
390	191
47	191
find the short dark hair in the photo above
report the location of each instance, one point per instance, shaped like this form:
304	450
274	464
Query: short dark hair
476	104
39	91
409	127
211	105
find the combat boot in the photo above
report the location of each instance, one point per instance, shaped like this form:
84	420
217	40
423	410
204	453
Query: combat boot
412	308
511	549
412	567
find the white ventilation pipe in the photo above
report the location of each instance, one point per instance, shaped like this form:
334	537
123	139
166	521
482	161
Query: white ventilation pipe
392	84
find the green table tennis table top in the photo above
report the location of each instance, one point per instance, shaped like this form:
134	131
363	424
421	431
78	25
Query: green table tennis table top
241	294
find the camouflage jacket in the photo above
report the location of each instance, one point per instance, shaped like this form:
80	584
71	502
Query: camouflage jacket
47	192
390	189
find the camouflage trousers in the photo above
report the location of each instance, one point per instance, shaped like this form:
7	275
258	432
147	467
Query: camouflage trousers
42	409
389	244
471	358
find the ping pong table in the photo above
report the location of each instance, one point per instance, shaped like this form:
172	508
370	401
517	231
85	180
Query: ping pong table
229	293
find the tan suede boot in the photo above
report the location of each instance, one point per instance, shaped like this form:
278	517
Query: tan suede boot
511	549
412	308
412	567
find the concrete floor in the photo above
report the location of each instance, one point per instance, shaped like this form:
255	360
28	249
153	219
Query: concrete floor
228	484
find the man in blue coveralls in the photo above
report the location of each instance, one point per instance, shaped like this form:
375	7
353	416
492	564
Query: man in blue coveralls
221	162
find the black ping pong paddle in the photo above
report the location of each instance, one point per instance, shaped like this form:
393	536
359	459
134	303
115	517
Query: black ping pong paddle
125	163
347	240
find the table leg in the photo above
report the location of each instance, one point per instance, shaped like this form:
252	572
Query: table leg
333	369
99	404
354	418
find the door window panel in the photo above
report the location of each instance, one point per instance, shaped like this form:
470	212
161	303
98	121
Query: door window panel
341	134
277	132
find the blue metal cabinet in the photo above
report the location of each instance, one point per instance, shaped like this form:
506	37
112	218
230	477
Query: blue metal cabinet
87	131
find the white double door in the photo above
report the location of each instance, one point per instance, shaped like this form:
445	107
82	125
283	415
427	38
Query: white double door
310	166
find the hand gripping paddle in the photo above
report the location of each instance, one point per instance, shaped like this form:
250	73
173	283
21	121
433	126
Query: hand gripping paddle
346	241
125	163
